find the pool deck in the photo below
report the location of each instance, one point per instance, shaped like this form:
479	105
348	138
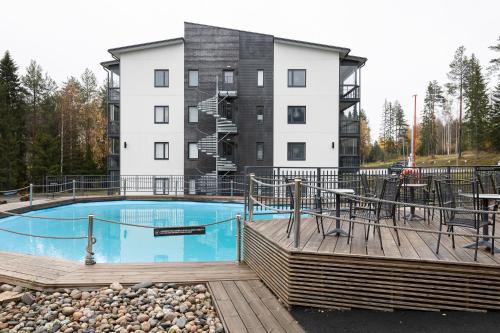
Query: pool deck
242	301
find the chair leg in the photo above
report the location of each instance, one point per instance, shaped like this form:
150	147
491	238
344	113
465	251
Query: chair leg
322	228
396	230
493	239
317	223
289	225
477	244
439	236
349	230
452	236
379	235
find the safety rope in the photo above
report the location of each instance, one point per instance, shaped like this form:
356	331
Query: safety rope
43	236
153	227
44	217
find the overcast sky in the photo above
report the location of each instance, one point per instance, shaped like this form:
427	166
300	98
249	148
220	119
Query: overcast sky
407	43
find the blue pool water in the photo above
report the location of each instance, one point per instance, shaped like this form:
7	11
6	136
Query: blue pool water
122	244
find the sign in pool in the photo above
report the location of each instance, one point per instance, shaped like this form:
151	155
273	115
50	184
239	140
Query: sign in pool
178	231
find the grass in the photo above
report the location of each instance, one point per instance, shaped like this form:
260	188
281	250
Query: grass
468	158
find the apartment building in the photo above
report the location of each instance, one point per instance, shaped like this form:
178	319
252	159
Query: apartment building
218	99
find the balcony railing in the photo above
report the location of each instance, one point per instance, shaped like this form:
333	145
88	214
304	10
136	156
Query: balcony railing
114	128
114	94
114	162
349	127
349	91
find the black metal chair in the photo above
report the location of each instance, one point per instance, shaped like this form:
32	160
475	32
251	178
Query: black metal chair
317	209
462	194
365	185
486	182
390	191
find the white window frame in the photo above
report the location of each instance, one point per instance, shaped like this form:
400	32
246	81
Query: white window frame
192	150
260	78
165	114
164	146
195	111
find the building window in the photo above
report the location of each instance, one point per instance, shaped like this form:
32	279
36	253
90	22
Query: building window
192	150
161	77
114	112
296	77
349	146
229	77
296	151
296	114
260	114
260	78
193	78
161	150
114	146
192	114
259	148
161	114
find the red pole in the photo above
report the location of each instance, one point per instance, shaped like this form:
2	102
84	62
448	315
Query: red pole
415	131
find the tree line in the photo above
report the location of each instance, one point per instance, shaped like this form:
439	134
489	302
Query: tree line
475	127
46	129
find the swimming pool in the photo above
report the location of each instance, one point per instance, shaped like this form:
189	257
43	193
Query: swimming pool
127	244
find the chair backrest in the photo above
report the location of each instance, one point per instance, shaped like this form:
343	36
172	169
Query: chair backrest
390	192
486	182
453	193
289	192
364	183
495	178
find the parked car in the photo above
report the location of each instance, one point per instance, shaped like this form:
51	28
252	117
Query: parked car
397	167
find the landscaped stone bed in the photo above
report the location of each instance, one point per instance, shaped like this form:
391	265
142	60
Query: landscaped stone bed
145	307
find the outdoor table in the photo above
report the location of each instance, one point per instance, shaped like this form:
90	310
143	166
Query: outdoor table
485	199
338	229
412	216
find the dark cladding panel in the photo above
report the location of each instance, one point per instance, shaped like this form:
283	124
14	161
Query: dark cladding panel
256	52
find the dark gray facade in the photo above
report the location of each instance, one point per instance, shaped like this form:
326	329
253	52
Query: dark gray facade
211	51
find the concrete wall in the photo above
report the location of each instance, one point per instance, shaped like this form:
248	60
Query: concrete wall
321	98
138	98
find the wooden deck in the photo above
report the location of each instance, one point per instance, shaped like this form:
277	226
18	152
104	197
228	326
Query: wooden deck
331	273
242	301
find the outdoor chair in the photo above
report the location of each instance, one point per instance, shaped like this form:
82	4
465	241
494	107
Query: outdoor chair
486	182
365	185
390	191
318	209
421	195
461	194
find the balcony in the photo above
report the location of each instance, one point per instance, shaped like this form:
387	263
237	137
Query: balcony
349	127
113	129
348	95
113	162
228	88
114	95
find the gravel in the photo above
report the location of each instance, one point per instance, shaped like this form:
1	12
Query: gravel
146	307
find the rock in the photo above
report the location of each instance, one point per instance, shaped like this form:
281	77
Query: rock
174	329
219	328
18	289
77	315
169	316
75	294
68	310
85	295
28	298
145	326
6	287
181	322
200	288
183	308
116	286
145	284
142	317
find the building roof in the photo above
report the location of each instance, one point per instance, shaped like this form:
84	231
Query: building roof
107	64
343	51
119	50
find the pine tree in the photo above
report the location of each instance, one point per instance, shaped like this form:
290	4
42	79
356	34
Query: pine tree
494	119
476	104
428	134
456	75
400	127
497	49
364	136
12	152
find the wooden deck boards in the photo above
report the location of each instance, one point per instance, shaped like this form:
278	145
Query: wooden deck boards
242	301
333	273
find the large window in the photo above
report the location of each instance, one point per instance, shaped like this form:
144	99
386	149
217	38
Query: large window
161	78
114	146
349	146
229	77
193	78
192	150
161	114
192	114
161	150
259	148
296	114
260	114
296	151
296	77
114	112
260	78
